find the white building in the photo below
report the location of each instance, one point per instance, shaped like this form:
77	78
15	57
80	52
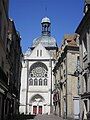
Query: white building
37	77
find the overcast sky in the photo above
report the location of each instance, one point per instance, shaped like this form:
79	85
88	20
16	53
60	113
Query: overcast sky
65	16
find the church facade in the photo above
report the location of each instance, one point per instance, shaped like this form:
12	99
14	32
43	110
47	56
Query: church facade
37	82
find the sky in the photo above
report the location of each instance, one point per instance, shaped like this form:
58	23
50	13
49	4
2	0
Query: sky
65	16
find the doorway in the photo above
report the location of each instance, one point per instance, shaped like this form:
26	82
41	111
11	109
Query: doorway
40	110
35	110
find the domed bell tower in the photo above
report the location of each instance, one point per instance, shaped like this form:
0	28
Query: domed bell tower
45	26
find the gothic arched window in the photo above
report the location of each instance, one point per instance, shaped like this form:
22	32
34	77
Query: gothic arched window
40	81
35	81
45	81
31	81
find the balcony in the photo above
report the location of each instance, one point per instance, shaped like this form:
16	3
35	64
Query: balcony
3	77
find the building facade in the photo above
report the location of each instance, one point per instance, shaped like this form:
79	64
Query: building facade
9	64
66	86
13	58
37	78
3	40
84	71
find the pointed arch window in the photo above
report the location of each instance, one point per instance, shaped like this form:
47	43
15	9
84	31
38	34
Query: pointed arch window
45	81
35	81
40	82
31	81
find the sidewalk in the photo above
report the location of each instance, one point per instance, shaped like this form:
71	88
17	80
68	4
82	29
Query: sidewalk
47	117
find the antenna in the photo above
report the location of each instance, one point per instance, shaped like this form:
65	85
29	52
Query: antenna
45	11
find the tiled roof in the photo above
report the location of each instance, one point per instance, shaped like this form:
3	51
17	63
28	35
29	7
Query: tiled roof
69	37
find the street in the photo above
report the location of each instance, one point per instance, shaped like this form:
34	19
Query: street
47	117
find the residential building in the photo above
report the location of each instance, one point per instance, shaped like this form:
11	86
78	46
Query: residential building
3	41
65	95
36	77
13	57
10	66
84	71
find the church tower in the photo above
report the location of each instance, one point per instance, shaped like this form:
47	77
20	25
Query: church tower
45	26
46	39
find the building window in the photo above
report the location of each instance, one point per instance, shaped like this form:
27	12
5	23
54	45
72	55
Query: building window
45	81
85	82
35	82
40	52
31	82
37	52
76	108
40	81
84	45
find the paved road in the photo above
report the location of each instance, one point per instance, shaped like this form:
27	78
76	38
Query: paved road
47	117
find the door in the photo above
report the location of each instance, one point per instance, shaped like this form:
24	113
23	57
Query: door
40	110
35	110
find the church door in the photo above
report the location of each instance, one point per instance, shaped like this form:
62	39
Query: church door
35	110
40	110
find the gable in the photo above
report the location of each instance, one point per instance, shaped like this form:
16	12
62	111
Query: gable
40	52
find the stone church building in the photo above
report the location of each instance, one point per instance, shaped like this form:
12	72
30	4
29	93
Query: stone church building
37	82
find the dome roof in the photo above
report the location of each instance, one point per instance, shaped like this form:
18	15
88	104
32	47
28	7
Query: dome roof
46	41
45	20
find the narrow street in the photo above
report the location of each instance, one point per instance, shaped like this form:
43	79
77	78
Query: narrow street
44	60
47	117
39	117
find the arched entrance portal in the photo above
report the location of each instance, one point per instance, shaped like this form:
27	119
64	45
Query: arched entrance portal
37	104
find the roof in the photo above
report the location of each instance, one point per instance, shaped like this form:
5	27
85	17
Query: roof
45	19
69	37
46	41
69	40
